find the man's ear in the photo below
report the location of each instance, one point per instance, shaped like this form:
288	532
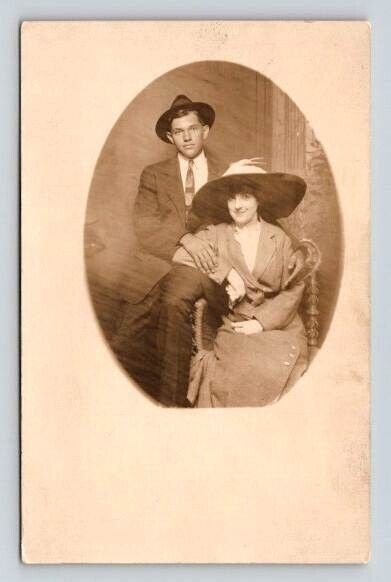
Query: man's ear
205	131
169	137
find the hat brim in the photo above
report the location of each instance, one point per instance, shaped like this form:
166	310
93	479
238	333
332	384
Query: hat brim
277	193
163	124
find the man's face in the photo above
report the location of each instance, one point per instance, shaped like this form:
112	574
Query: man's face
188	134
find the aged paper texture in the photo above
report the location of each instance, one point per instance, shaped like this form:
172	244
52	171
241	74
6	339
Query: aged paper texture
110	475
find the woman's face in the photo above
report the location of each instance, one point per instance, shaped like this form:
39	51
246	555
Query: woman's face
243	209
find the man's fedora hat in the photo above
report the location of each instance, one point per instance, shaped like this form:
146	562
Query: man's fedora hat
278	193
181	102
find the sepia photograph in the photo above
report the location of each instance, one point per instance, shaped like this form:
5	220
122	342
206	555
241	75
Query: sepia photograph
213	239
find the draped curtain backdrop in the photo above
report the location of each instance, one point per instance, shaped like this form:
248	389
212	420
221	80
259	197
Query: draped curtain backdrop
254	118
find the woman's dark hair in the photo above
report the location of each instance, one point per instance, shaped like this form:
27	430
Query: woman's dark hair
242	186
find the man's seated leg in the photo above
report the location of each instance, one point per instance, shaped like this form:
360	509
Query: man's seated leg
180	289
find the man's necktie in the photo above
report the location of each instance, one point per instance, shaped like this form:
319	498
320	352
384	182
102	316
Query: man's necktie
189	188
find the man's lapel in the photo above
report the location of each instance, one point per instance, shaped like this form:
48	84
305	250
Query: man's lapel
215	166
173	182
174	187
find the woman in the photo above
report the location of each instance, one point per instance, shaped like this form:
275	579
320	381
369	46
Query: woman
260	349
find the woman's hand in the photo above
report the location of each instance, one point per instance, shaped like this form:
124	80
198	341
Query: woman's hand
247	327
233	294
236	288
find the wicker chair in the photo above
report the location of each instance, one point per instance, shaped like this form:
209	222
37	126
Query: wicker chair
204	331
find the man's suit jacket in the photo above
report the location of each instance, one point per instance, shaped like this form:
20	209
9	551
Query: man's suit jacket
159	223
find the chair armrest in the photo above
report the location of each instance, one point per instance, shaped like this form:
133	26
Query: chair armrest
311	297
199	310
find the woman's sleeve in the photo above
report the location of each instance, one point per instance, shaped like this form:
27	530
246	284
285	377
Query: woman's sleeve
277	312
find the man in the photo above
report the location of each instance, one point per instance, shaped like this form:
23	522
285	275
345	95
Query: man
160	297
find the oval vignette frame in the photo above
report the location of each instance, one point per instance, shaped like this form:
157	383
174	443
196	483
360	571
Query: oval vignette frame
254	118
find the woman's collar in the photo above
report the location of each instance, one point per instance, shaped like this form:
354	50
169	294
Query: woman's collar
255	227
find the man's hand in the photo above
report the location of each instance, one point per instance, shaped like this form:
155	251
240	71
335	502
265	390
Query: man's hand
247	327
236	289
202	252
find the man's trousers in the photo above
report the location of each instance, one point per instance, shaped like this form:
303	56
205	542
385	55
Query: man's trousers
154	338
180	289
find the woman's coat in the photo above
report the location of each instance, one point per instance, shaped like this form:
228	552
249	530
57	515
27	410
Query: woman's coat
256	369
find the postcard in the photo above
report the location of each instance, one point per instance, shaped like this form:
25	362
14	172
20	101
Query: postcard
195	292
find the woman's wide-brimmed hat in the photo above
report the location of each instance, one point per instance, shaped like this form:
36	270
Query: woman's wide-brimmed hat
181	102
278	193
